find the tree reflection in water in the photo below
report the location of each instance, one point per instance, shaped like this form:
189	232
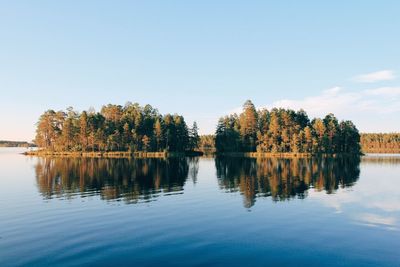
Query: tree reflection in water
136	180
131	180
284	179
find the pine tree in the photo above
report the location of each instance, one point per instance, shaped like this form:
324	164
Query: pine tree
249	126
83	131
194	137
158	134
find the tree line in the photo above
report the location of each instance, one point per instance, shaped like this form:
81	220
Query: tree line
284	131
207	143
380	142
136	128
115	128
4	143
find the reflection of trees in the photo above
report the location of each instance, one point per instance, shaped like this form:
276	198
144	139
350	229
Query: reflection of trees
129	179
194	168
285	178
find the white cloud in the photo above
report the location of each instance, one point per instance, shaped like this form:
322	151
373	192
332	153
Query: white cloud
383	75
334	100
347	104
372	110
384	91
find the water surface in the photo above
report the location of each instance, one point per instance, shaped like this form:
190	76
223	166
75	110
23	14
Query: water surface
199	211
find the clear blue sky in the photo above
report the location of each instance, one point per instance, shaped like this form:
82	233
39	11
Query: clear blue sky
202	59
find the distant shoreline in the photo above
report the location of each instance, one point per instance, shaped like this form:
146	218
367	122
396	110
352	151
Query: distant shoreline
7	143
378	151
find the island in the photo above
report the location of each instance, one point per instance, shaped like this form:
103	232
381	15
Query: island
115	131
141	131
284	132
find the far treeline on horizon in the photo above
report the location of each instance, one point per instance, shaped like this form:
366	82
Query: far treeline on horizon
135	128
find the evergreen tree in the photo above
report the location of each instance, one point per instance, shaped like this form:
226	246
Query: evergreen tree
284	130
194	137
128	128
249	126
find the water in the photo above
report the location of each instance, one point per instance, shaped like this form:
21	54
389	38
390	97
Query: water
201	211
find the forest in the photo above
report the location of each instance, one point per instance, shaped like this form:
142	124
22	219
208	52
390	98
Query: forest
284	131
380	142
115	128
135	128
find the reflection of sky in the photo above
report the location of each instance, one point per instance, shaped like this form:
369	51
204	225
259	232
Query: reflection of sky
14	170
204	220
374	200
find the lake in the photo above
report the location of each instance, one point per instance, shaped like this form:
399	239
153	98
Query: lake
199	211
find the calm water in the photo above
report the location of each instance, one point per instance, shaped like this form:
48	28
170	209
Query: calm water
202	211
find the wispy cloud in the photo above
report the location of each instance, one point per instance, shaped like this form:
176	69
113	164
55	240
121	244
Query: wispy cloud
383	75
337	100
384	91
383	100
370	109
333	100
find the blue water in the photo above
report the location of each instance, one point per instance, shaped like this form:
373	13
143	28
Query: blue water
197	212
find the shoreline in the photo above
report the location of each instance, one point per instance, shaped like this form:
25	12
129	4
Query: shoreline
141	154
285	155
111	154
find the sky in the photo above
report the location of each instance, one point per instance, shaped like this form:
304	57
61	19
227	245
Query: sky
201	59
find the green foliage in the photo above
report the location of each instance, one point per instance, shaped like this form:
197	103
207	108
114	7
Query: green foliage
284	130
115	128
194	137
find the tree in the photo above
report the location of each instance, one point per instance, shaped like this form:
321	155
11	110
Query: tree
295	145
249	126
126	136
227	137
319	128
332	128
349	137
284	130
207	143
83	131
308	139
47	132
136	128
158	133
114	128
146	143
194	137
380	142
